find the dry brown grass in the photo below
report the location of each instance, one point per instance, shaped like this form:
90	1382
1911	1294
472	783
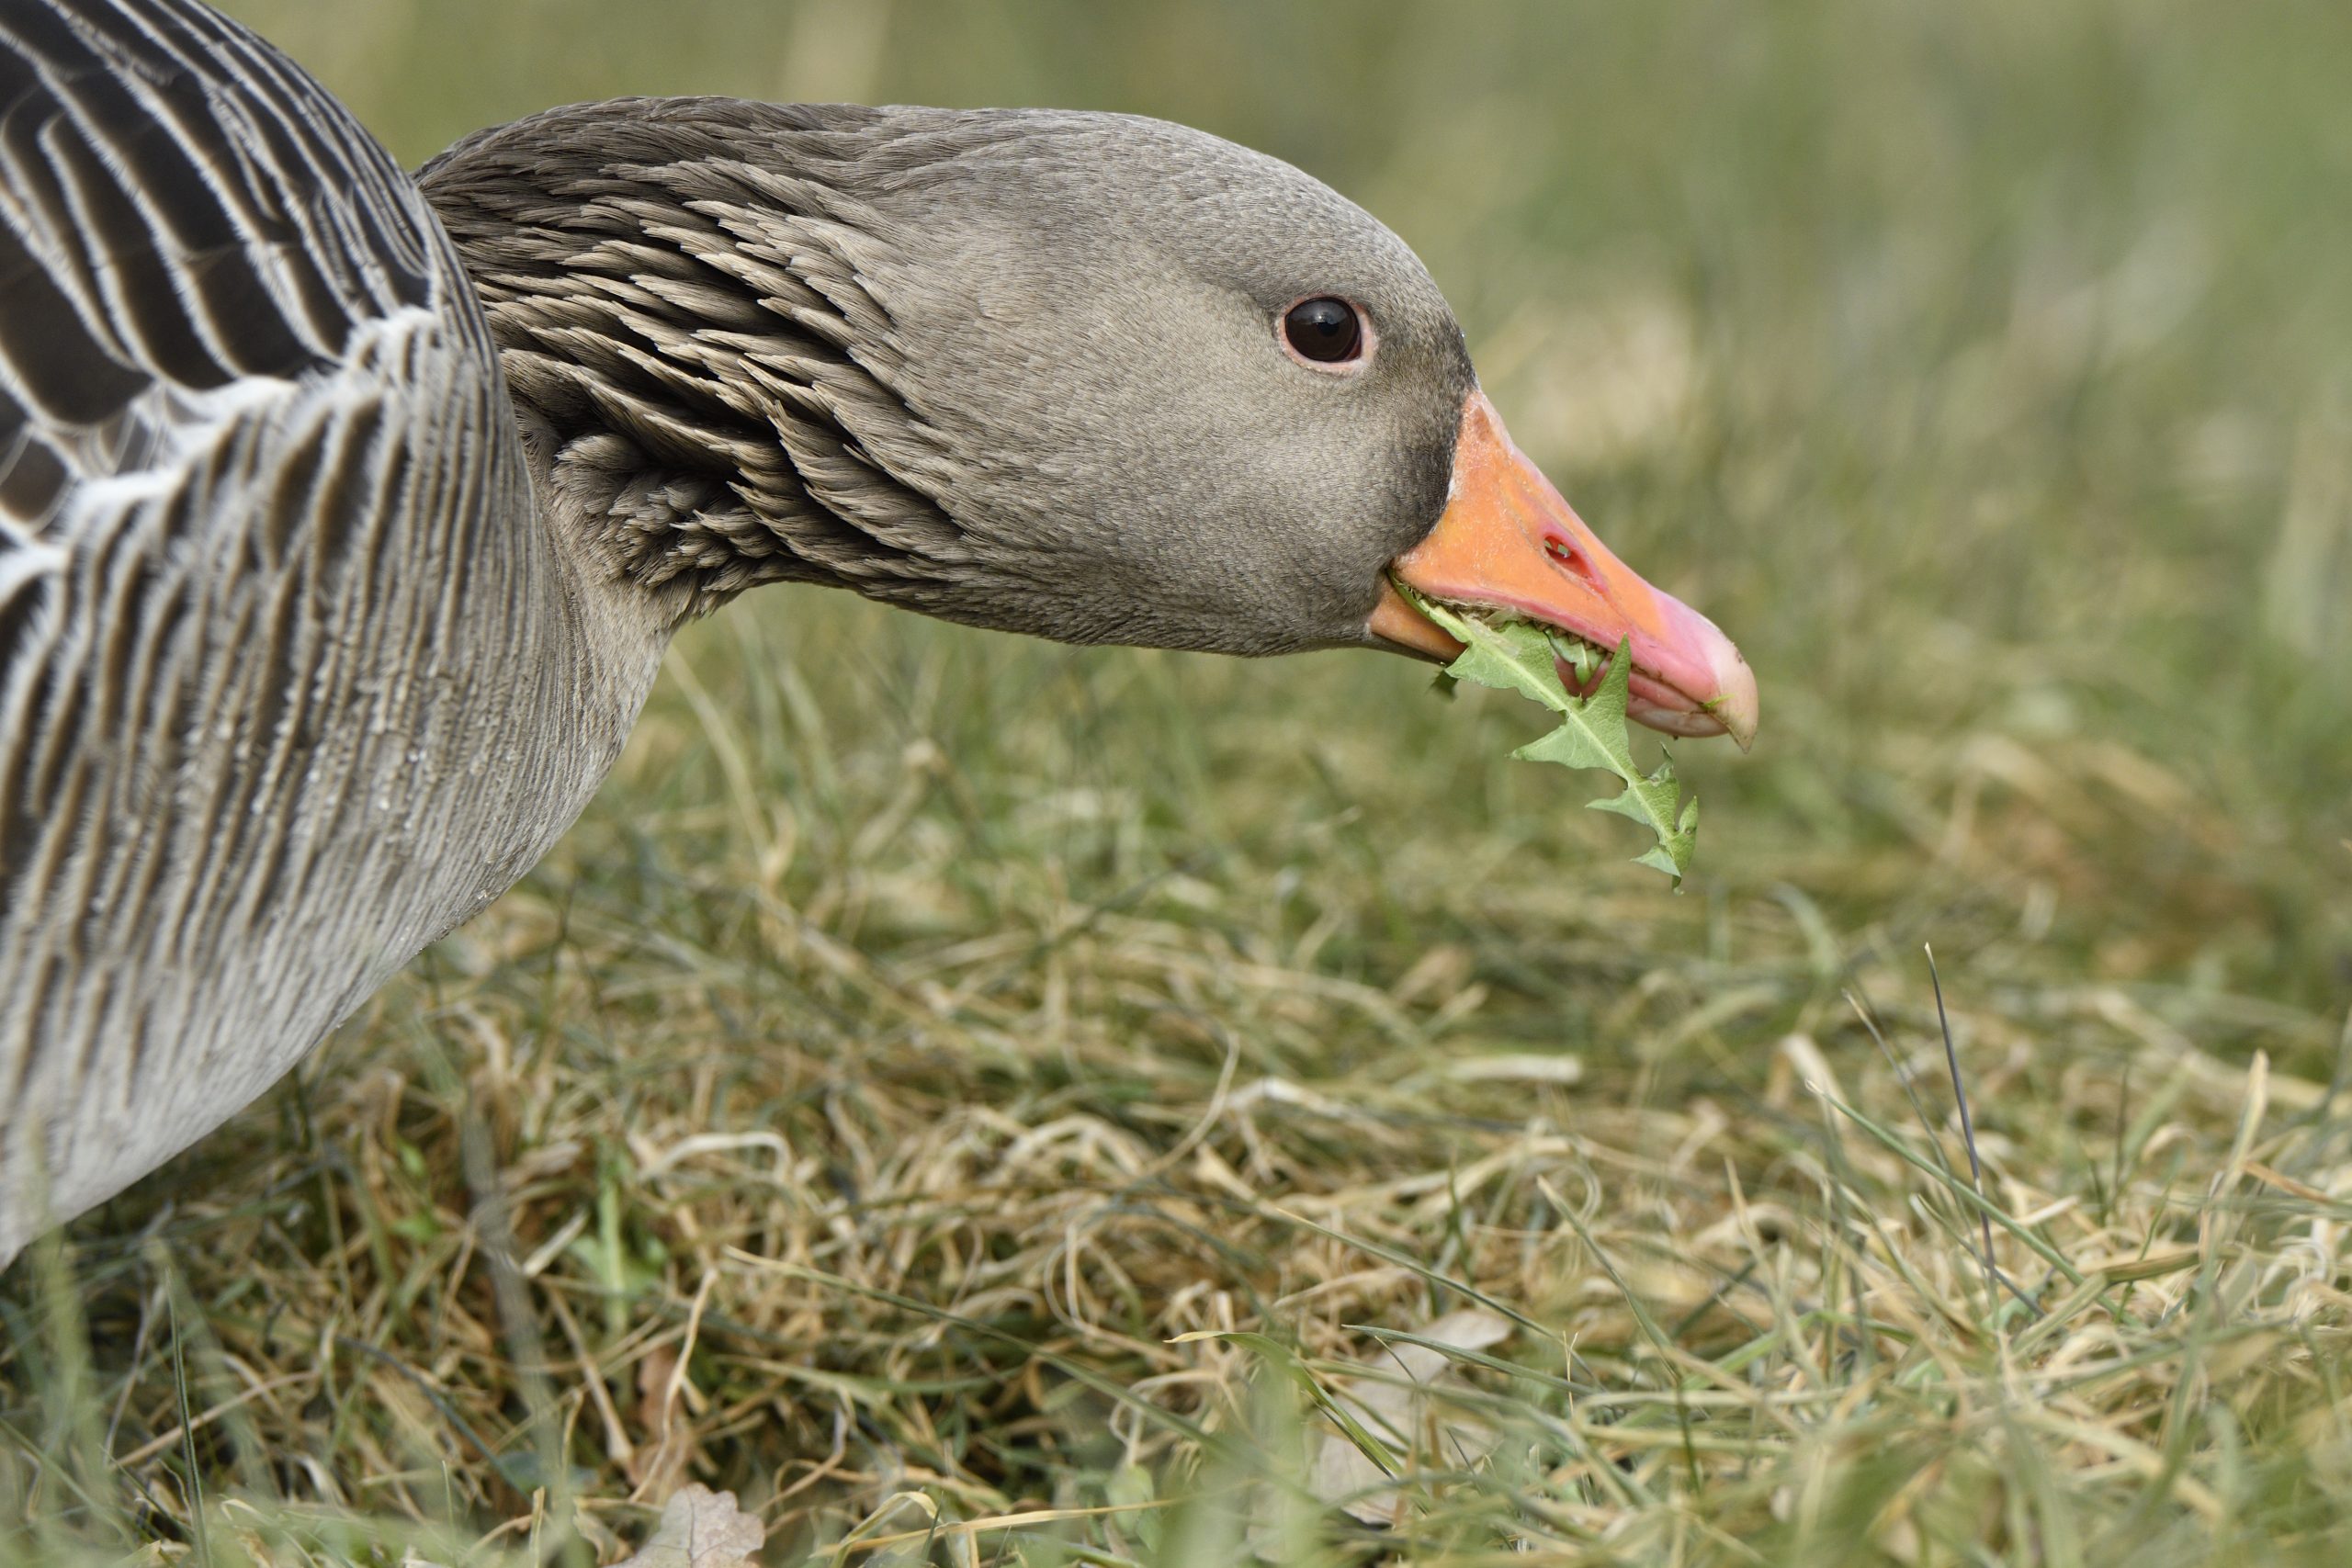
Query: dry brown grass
969	1211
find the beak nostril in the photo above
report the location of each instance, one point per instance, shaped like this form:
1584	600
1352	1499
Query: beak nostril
1566	555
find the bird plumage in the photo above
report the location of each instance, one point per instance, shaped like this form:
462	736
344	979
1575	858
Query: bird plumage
1007	366
289	683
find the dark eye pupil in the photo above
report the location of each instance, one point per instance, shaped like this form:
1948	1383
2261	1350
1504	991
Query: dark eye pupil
1325	331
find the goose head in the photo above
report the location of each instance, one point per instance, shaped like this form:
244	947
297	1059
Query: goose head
1093	378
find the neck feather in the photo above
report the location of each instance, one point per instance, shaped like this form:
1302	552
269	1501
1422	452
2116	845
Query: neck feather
705	378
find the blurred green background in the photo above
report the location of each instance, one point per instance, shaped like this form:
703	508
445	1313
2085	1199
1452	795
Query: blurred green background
1985	370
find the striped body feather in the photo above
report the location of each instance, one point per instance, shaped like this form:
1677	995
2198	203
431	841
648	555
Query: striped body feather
291	677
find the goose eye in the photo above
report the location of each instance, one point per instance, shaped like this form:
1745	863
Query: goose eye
1324	331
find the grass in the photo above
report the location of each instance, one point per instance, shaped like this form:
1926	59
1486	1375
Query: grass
992	1103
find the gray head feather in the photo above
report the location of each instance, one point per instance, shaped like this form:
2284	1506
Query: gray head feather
1013	367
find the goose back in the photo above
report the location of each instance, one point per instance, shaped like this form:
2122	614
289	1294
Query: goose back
291	677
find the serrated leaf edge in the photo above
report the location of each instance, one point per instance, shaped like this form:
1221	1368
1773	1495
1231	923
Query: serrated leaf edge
1653	799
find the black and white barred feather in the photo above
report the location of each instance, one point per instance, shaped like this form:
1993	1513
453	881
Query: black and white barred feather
279	698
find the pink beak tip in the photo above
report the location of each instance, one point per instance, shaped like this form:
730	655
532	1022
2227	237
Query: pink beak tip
1707	671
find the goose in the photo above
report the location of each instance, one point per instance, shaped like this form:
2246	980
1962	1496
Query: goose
344	515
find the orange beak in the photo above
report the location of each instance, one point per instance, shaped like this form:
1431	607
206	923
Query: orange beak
1507	541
